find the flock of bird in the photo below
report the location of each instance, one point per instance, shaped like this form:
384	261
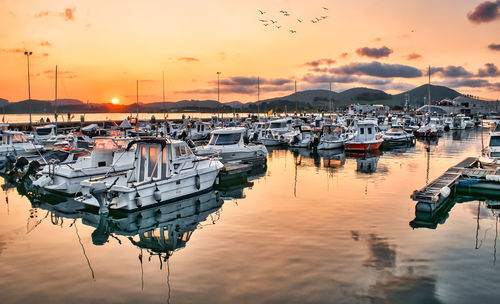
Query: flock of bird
274	22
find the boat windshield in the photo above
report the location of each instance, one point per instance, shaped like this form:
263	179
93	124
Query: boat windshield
105	144
18	138
225	139
277	125
495	141
43	131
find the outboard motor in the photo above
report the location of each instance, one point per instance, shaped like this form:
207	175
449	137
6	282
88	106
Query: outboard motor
33	168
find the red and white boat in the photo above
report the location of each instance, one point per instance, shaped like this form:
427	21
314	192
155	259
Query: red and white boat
366	138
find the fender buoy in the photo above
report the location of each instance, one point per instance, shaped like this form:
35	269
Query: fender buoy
197	181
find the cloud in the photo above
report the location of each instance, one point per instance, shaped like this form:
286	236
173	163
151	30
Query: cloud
377	69
45	43
485	12
188	59
494	47
470	83
451	71
374	52
246	81
311	78
12	50
60	74
67	15
344	55
319	62
490	70
41	14
413	56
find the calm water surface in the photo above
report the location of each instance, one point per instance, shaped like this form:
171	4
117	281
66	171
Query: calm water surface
311	228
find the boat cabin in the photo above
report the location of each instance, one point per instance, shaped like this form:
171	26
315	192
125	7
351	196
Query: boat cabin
227	136
46	131
104	150
12	137
366	130
157	159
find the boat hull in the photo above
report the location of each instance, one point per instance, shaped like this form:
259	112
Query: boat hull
362	146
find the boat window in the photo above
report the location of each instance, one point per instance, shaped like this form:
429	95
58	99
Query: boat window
18	138
183	150
495	141
142	164
369	130
43	131
177	151
225	139
153	161
164	164
104	144
276	125
361	130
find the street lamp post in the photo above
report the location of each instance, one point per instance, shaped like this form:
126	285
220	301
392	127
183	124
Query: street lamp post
28	54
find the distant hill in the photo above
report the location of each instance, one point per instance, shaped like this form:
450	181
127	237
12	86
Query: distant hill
306	100
417	95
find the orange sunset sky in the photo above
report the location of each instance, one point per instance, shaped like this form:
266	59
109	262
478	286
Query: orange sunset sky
102	47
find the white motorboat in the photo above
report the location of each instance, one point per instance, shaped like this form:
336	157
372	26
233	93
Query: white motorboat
458	123
491	154
162	171
469	123
201	130
397	136
303	138
108	157
333	138
366	138
75	140
229	144
273	138
15	144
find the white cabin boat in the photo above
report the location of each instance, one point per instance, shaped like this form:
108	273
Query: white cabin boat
366	138
163	170
108	157
491	155
397	136
333	138
458	123
229	144
14	143
200	131
303	137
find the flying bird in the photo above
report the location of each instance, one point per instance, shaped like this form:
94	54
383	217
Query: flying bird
286	14
325	8
262	12
274	21
317	19
262	20
293	32
300	21
314	21
278	26
265	24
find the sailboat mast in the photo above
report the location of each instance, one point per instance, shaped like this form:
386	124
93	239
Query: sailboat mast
163	81
258	95
296	100
330	99
137	101
55	100
429	92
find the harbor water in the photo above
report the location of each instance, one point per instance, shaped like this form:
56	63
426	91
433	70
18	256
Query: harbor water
311	228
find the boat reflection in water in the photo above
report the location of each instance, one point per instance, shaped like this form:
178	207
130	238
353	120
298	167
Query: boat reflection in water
160	230
332	158
233	187
366	162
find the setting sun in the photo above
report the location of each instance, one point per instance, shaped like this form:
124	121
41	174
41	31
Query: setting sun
115	101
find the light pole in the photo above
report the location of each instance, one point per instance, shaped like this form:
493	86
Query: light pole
28	54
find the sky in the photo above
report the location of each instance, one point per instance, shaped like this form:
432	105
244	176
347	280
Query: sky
102	48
